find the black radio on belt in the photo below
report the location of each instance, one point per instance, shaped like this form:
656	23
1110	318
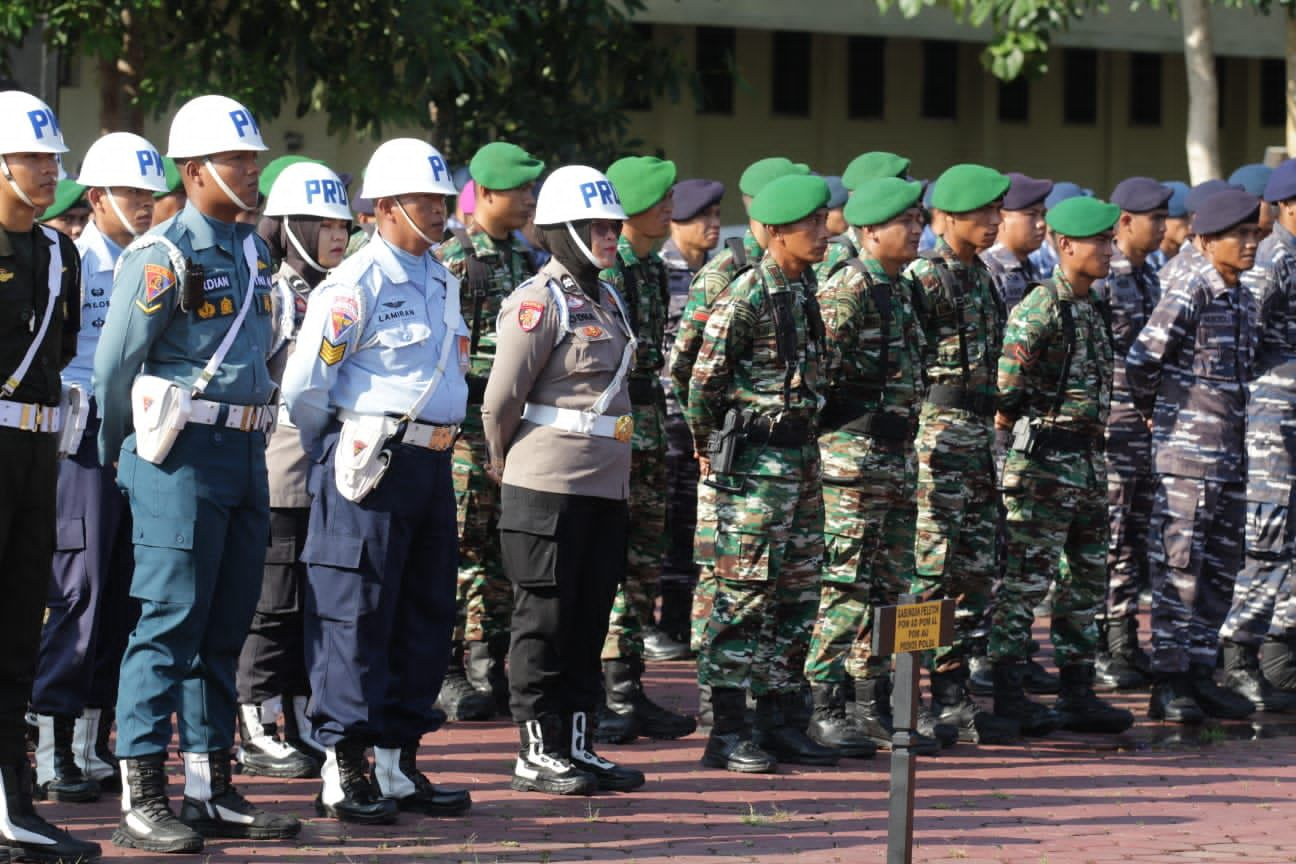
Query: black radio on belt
191	293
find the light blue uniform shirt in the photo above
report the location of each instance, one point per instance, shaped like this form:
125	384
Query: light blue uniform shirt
371	341
147	331
98	256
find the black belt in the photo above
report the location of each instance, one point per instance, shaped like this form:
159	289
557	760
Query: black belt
476	390
954	396
1053	438
644	391
785	433
886	427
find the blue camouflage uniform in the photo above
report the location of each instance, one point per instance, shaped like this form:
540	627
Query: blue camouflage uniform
201	517
1011	276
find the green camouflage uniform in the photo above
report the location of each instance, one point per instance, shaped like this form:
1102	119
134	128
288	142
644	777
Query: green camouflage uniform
840	249
483	597
869	478
643	284
954	549
706	289
769	536
1055	497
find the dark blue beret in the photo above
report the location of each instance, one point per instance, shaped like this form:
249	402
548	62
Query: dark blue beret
1251	177
694	196
1225	208
363	206
1140	194
928	186
1177	205
1064	190
837	192
1025	191
1198	194
1282	183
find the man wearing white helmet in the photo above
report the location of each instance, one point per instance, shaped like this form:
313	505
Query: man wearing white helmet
90	611
40	283
376	389
182	362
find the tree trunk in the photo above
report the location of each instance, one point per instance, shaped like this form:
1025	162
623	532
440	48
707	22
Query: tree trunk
1203	92
1291	84
119	85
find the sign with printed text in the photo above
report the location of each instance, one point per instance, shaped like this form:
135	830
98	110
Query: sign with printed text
913	627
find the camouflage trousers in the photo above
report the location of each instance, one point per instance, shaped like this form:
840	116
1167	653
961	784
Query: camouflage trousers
1195	544
704	554
636	598
681	500
868	561
1262	601
1129	507
483	596
958	507
769	551
1045	522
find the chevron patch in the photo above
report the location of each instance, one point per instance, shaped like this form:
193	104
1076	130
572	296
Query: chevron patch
331	352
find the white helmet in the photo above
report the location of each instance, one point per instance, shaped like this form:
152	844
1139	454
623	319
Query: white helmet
123	159
27	125
308	189
212	124
577	192
406	166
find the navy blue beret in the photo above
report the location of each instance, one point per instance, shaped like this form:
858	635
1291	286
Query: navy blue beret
1282	183
363	206
1064	190
1025	191
1225	208
837	192
1140	194
1252	177
1178	203
928	186
1198	194
694	196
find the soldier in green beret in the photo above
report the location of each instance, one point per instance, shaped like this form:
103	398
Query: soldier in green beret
70	211
753	404
169	203
489	263
1055	381
643	183
862	169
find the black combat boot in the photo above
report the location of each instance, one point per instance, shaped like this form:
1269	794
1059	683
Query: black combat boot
780	729
261	753
58	777
611	777
543	764
1242	676
459	699
1174	701
1039	680
1080	709
633	709
874	717
34	838
831	727
980	674
215	808
397	777
954	707
1278	663
1216	701
1010	700
297	729
485	670
1120	666
730	744
659	646
147	821
704	716
348	795
676	610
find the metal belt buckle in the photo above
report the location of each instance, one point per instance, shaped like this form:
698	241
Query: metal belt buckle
442	437
624	429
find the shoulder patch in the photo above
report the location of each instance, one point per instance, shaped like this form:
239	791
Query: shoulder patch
343	315
157	281
529	315
331	352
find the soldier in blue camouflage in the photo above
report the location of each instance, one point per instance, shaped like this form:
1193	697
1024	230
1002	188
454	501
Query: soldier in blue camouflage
1020	233
1187	373
489	264
757	385
1055	378
1131	292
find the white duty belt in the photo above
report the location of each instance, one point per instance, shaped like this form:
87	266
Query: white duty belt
246	418
27	417
582	422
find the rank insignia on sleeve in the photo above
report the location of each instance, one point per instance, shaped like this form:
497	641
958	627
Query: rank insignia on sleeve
1026	358
157	281
529	315
343	315
331	352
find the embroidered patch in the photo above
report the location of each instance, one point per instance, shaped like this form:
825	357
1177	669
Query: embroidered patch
157	281
6	275
227	306
261	265
343	316
265	303
1019	353
592	332
357	447
206	311
331	352
574	302
529	315
702	316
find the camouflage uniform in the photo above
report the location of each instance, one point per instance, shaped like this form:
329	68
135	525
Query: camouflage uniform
681	466
482	595
840	250
1188	371
1011	277
706	289
957	501
1130	294
1055	496
869	476
643	285
769	536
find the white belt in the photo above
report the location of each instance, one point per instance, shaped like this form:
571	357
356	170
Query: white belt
582	422
30	418
247	418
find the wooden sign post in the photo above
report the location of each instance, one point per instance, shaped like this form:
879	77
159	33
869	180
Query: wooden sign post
905	630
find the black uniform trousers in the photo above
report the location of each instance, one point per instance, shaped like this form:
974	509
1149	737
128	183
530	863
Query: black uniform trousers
273	660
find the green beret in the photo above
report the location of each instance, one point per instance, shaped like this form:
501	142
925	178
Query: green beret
868	166
172	177
881	199
967	187
1082	216
501	165
641	181
789	199
760	173
67	194
270	173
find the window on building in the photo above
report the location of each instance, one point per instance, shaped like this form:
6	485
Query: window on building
790	89
636	90
1014	100
1080	86
1273	93
1144	89
940	79
715	68
866	76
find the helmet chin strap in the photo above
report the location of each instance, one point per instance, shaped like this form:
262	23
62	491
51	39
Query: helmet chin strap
296	244
121	217
8	175
229	193
580	244
413	227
